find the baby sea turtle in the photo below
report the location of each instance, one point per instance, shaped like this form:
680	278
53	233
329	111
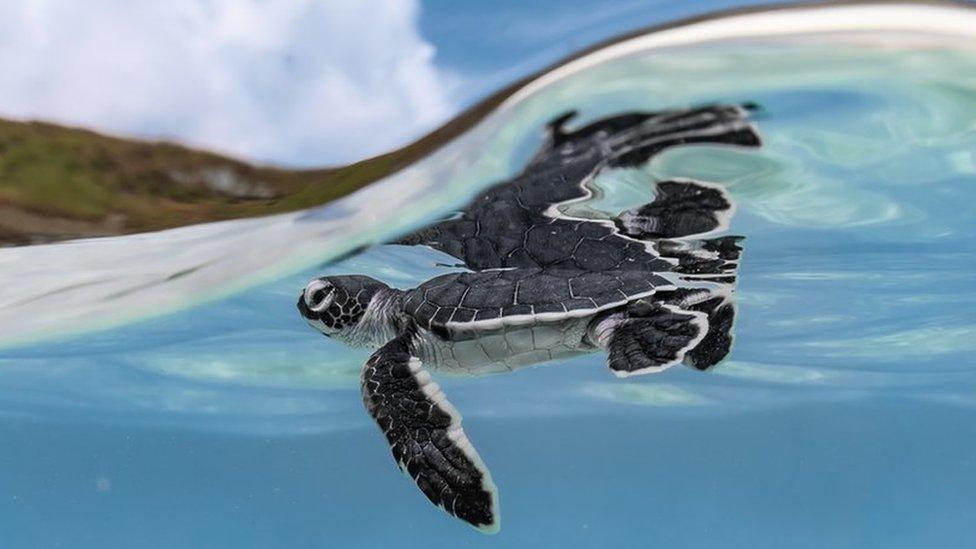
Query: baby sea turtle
644	286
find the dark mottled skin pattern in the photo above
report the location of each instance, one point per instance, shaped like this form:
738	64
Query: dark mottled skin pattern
651	337
718	339
416	428
351	296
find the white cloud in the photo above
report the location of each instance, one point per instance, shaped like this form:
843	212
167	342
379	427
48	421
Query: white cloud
301	82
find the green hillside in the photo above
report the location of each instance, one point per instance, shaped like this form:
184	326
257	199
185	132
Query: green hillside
58	182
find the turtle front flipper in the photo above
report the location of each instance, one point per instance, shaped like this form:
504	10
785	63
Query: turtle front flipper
648	337
425	435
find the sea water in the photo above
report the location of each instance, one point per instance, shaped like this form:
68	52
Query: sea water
845	415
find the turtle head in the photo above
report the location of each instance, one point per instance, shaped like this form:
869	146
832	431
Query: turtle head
336	304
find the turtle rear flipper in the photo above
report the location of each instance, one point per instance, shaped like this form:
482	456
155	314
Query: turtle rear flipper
425	436
680	208
717	341
649	337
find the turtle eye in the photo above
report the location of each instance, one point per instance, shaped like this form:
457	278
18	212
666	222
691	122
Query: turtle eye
319	295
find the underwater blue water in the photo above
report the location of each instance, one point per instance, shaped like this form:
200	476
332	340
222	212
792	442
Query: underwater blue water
844	416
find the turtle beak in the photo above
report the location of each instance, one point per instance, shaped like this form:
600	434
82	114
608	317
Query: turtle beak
302	307
310	316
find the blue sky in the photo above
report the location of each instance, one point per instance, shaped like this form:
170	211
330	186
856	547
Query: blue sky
293	82
490	44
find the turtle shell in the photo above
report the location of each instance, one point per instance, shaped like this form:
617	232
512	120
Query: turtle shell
493	299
